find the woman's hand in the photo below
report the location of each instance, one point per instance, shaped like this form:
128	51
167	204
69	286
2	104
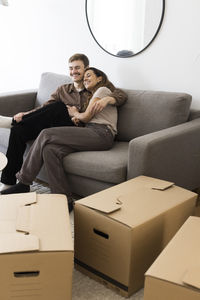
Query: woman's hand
18	117
72	110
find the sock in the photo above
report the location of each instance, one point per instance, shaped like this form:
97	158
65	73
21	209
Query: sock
5	122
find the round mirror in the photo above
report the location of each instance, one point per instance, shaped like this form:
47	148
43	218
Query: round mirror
124	28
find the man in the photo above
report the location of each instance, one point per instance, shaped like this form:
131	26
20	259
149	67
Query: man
70	94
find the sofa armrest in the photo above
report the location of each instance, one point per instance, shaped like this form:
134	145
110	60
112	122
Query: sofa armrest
14	102
171	154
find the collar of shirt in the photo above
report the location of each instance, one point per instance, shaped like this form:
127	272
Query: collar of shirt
71	88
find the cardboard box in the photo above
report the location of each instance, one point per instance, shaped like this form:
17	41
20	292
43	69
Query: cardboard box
197	208
175	275
120	231
36	249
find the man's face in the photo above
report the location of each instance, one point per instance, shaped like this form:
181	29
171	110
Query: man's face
76	70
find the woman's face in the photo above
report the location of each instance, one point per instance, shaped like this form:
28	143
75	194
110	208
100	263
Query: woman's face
91	80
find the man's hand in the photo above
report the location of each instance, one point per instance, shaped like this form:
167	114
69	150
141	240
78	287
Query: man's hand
72	110
18	117
99	105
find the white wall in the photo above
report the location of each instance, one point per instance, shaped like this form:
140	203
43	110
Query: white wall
40	35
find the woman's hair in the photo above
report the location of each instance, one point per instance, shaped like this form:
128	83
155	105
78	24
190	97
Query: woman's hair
80	56
104	82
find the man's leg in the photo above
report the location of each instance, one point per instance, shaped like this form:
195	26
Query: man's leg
51	115
55	114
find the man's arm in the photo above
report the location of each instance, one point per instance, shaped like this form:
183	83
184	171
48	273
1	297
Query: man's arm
85	116
54	97
117	97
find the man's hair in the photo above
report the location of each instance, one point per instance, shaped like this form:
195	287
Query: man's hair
80	56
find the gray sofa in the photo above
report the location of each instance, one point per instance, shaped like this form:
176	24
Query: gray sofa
158	136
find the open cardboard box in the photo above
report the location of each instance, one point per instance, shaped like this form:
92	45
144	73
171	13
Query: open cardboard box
175	274
36	248
120	231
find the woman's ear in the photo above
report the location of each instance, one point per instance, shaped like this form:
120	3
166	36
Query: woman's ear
99	79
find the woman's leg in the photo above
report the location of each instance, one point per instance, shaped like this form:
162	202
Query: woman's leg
52	145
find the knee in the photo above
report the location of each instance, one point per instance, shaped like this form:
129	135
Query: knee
45	134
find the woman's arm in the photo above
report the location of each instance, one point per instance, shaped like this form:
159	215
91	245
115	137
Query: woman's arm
85	116
100	96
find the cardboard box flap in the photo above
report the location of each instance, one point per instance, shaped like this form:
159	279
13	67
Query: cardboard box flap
23	218
139	199
161	185
192	277
52	228
17	200
153	183
102	204
44	217
18	242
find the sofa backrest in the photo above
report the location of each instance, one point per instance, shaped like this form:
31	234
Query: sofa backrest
49	82
149	111
144	112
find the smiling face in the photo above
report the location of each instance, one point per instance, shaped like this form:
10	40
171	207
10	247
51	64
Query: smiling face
76	70
91	80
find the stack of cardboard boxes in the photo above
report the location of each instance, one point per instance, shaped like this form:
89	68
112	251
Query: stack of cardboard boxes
119	233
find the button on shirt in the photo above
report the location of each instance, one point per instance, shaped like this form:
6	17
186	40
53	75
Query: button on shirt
68	94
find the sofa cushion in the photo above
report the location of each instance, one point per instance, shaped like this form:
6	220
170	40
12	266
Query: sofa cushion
108	166
4	134
149	111
49	83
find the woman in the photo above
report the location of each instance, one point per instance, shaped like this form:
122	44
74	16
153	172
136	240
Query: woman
53	144
97	83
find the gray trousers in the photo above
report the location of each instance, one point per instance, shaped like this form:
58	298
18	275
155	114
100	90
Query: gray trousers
53	144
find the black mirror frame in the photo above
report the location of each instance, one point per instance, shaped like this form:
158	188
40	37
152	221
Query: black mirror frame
159	26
